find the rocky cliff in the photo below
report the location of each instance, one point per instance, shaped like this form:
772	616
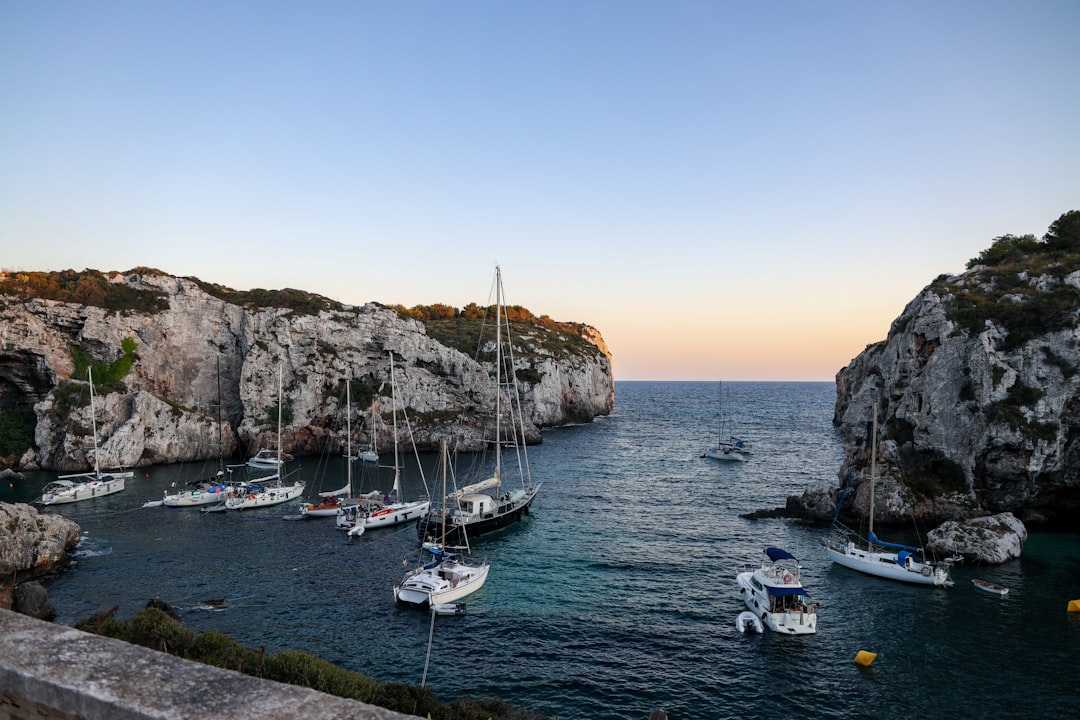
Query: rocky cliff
195	343
978	394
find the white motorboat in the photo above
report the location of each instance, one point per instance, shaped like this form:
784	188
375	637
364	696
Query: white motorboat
269	459
877	557
774	593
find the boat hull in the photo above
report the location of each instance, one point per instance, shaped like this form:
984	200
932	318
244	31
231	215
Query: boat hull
785	621
268	497
883	565
429	528
83	491
430	587
396	514
724	455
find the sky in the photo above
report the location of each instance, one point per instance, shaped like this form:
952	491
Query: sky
725	190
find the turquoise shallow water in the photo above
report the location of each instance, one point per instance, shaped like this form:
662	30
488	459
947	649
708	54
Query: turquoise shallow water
618	595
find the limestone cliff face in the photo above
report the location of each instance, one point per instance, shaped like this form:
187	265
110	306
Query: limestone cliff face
979	400
166	409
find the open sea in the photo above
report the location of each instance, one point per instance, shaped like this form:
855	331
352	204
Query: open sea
618	594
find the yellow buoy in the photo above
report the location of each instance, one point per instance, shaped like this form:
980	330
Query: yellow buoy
864	658
1074	606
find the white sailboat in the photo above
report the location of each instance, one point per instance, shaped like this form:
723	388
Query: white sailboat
391	510
208	491
879	558
334	501
269	490
84	486
447	578
731	448
489	505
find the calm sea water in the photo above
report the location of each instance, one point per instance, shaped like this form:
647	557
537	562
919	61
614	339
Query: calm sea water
618	594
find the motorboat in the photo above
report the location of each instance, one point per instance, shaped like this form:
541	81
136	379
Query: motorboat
774	593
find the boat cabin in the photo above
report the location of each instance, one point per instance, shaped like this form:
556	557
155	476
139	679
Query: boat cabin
477	504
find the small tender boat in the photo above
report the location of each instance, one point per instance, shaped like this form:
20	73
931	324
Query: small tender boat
448	608
991	587
774	593
748	622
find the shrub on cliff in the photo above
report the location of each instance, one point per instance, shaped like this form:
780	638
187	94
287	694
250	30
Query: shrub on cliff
154	629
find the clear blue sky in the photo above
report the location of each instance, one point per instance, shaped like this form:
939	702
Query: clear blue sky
725	190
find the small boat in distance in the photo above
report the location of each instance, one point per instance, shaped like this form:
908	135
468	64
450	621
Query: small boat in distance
774	592
731	449
267	459
990	587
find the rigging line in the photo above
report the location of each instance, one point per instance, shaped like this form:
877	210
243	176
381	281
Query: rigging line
847	480
431	634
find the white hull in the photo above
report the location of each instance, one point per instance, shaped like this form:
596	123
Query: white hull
884	565
445	583
775	595
265	497
725	454
396	514
748	622
61	493
369	457
195	498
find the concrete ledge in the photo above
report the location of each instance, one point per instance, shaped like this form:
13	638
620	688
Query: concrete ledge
51	671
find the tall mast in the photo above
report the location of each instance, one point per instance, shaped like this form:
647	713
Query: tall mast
873	467
498	374
397	466
93	421
348	435
279	421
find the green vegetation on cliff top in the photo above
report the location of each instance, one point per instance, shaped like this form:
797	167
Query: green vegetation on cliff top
1018	285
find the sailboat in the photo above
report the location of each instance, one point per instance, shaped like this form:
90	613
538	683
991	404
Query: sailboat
268	490
487	506
333	501
877	557
447	578
732	448
84	486
391	510
207	491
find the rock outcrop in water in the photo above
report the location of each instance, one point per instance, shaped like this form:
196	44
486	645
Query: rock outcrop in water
978	394
31	545
190	339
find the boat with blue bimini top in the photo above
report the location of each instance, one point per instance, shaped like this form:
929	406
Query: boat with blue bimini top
774	593
893	561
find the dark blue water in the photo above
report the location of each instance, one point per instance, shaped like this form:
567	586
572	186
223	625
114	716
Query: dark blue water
618	595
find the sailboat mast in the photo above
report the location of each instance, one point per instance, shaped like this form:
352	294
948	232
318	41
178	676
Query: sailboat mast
873	467
397	465
93	421
348	435
498	373
442	544
220	438
279	421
